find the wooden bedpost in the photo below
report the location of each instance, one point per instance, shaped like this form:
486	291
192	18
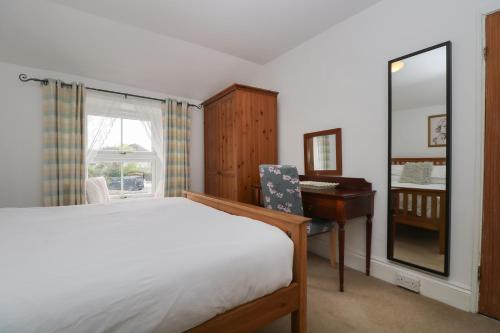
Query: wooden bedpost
292	299
299	317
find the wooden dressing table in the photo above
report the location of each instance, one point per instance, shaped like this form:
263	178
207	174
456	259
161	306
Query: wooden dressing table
352	198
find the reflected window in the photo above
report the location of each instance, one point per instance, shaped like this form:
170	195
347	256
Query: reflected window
324	152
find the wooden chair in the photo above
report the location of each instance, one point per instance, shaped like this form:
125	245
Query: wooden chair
280	188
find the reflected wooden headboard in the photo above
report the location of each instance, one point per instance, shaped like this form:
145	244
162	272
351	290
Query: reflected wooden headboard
434	160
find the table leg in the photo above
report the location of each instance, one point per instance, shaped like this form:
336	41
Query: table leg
341	253
333	248
368	243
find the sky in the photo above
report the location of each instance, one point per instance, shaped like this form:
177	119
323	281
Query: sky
134	131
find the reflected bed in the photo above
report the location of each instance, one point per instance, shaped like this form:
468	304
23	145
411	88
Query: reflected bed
429	200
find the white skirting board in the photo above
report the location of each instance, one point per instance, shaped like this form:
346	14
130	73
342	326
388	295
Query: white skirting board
381	268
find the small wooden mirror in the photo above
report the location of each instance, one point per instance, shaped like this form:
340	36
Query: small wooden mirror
323	153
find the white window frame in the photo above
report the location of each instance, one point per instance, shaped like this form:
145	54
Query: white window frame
122	156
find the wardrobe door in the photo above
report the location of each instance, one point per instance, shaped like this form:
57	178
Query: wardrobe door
256	139
212	148
228	183
266	124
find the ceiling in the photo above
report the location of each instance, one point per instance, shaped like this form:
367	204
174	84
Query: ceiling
421	82
255	30
187	48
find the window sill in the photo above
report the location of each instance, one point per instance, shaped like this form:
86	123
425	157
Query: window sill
131	197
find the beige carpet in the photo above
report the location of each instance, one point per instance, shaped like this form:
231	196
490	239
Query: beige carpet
371	305
418	246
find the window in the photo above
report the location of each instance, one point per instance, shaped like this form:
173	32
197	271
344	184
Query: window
121	145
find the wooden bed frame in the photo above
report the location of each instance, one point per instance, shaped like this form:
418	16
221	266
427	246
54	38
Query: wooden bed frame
292	299
402	214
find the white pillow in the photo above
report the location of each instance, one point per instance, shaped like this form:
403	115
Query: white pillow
397	169
435	180
439	171
97	190
416	173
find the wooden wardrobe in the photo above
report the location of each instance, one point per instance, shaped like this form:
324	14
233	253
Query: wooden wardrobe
240	133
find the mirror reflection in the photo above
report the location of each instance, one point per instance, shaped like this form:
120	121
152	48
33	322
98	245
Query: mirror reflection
324	154
418	184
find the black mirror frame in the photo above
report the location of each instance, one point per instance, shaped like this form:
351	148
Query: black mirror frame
390	241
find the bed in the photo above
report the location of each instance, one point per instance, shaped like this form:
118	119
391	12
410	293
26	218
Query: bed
192	264
420	206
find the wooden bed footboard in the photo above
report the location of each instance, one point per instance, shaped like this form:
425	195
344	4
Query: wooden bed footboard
292	299
420	208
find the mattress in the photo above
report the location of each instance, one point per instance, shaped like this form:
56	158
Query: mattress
139	266
441	187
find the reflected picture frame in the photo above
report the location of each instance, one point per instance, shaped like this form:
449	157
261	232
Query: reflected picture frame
436	130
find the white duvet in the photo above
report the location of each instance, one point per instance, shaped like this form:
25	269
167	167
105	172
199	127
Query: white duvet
139	266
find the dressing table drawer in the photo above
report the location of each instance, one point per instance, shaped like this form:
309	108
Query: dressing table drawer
318	207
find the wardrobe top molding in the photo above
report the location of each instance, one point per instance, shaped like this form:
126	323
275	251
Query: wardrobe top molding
238	86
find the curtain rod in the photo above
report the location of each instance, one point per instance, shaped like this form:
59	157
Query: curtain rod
25	78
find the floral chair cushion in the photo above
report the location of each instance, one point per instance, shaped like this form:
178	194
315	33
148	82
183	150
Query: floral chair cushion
281	191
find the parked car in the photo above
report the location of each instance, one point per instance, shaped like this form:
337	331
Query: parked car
130	183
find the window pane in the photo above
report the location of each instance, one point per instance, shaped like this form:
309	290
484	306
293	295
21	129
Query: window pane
109	170
136	135
137	177
103	133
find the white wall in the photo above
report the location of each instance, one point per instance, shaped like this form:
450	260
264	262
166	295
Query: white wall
410	132
21	133
339	79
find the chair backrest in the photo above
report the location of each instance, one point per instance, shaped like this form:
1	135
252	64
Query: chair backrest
281	188
96	190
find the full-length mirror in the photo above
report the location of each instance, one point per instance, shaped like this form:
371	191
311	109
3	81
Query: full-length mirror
419	159
323	152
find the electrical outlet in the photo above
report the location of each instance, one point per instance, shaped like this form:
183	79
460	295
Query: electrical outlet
408	282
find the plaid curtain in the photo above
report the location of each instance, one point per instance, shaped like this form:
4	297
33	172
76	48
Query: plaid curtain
324	152
176	142
64	128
